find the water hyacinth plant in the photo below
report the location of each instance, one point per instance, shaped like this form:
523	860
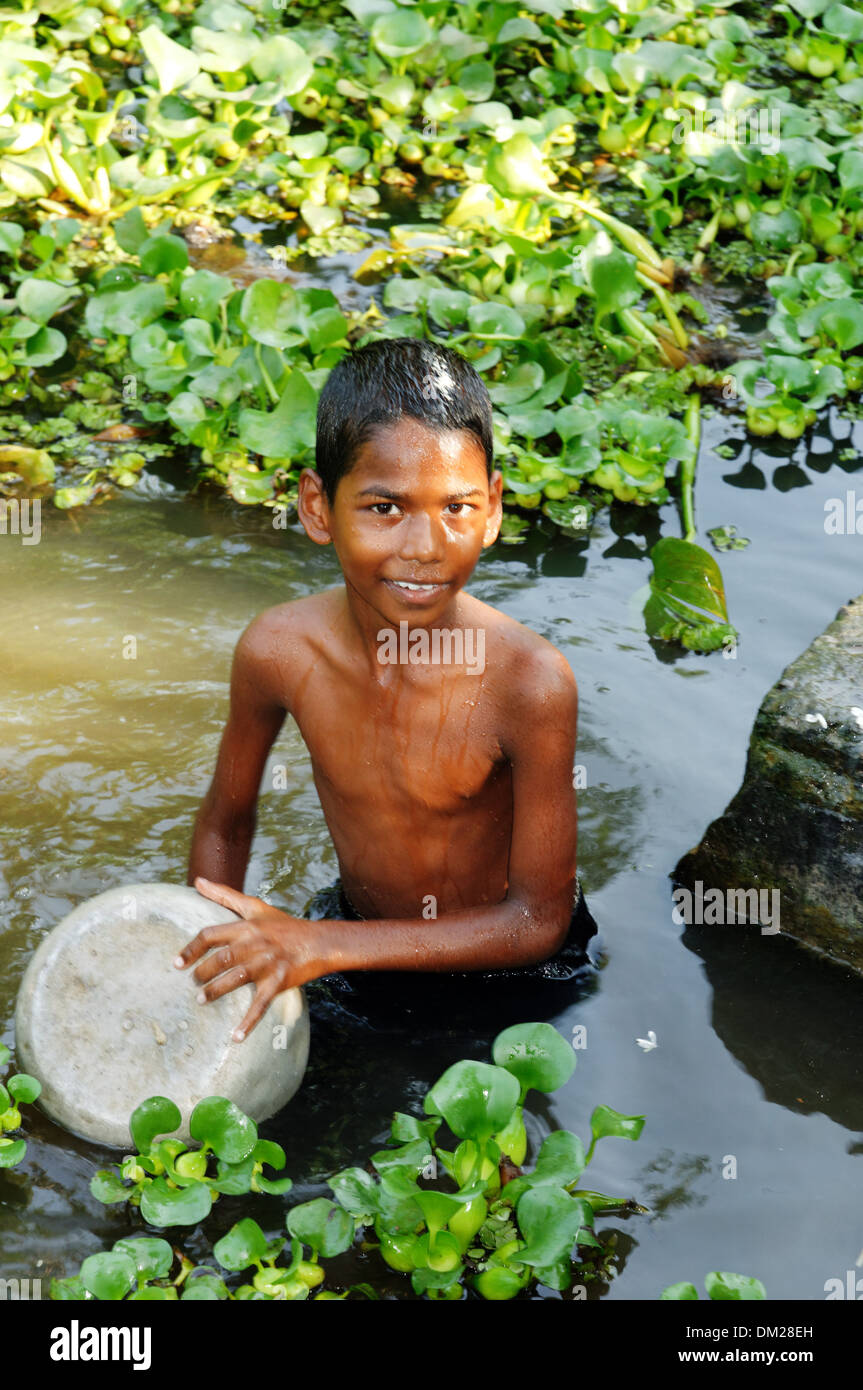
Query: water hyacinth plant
467	1217
19	1089
581	173
721	1287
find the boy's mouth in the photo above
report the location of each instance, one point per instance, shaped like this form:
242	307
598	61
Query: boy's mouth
412	591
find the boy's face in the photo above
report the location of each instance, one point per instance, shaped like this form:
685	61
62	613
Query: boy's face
410	519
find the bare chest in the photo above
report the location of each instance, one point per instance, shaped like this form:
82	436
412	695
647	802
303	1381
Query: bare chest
436	747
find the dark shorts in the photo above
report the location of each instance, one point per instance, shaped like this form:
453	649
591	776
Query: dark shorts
529	993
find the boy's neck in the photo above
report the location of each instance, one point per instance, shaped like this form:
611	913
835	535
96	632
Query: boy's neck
367	623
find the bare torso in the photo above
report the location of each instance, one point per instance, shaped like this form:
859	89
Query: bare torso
407	759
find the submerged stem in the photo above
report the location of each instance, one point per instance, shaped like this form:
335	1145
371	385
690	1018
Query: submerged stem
679	332
692	420
271	390
706	240
627	236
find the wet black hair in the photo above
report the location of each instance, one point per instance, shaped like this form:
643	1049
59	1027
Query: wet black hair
379	383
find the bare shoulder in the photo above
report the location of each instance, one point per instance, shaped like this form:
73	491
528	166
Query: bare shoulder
536	678
281	639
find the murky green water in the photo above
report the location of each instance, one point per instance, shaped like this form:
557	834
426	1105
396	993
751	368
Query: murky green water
106	760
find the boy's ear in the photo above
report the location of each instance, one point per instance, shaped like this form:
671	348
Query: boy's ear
495	509
313	508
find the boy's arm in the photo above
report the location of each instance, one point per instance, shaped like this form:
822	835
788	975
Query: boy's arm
276	951
225	822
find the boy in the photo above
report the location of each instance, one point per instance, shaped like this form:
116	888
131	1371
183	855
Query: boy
445	779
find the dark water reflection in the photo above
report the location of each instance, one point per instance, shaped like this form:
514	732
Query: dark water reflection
758	1056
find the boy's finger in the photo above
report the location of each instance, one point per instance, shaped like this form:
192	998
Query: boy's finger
244	973
208	937
221	893
264	996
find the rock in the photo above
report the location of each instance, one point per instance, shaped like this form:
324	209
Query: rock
796	824
105	1020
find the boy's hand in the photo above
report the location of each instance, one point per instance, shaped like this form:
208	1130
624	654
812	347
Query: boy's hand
269	949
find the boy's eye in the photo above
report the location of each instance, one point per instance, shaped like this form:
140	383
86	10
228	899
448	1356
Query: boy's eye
376	508
457	508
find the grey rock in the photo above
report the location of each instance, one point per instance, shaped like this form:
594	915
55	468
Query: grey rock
796	824
105	1020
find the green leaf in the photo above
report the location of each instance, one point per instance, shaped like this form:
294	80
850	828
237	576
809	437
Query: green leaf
400	34
357	1191
42	348
560	1161
678	1292
843	23
131	231
285	432
325	327
108	1276
657	62
739	1288
163	253
41	299
281	60
122	311
518	385
605	1122
248	488
438	1207
245	1244
687	599
269	310
474	1098
34	466
70	1290
449	308
555	1276
220	1123
610	272
107	1187
11	237
495	322
235	1178
202	292
156	1115
793	374
515	169
824	279
206	1288
781	230
412	1156
842	320
24	1088
424	1280
175	65
549	1219
151	1256
536	1054
323	1225
162	1205
405	1127
12	1153
67	497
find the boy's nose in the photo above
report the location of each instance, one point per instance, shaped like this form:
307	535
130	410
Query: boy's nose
423	538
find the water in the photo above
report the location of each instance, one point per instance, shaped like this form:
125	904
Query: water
106	760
